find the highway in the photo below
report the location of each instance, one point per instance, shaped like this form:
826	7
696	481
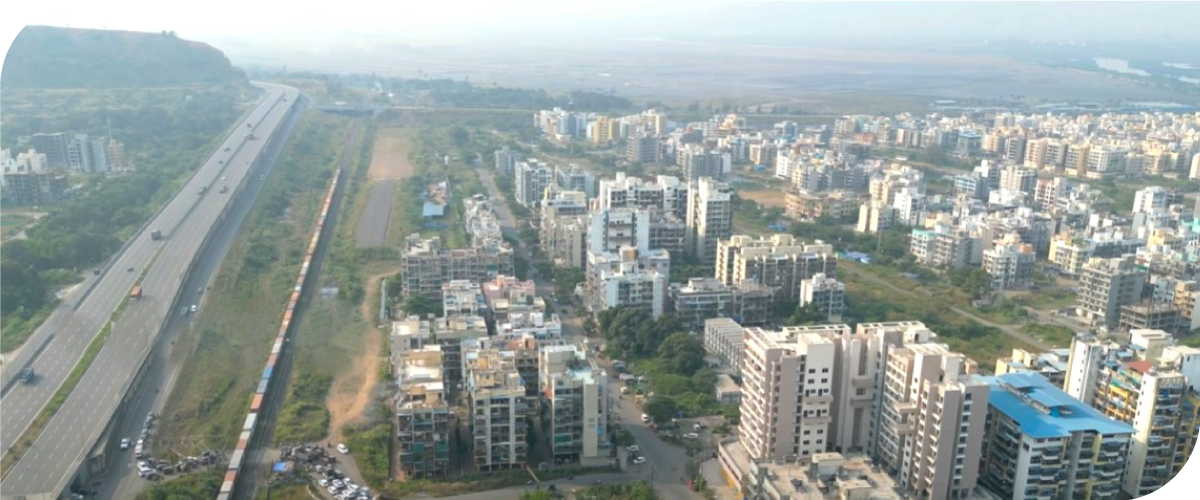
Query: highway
185	221
122	479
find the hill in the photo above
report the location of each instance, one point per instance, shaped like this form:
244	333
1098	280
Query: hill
60	58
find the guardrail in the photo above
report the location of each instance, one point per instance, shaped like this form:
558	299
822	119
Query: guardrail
264	383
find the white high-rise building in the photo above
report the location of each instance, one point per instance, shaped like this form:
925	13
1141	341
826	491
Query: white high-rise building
532	179
787	391
709	218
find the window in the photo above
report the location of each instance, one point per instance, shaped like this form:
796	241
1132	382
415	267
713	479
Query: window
806	432
824	370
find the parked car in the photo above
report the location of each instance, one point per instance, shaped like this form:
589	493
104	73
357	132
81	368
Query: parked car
691	435
645	418
639	460
633	448
341	448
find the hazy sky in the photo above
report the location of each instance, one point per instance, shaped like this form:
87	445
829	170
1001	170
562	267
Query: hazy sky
302	24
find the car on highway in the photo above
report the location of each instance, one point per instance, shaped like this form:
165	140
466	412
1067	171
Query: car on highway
124	443
130	270
200	291
193	308
343	449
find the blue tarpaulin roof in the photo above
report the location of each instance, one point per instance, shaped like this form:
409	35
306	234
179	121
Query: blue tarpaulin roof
1066	414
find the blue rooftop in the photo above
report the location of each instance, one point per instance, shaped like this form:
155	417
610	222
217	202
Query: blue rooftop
1066	414
433	210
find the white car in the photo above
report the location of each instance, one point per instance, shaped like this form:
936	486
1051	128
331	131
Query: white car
337	483
324	483
639	460
633	448
124	443
691	435
343	449
332	490
645	418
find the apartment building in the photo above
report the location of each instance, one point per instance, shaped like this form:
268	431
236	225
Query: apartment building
753	303
665	193
498	406
426	265
944	247
609	229
506	160
1107	284
575	402
698	162
1149	315
447	334
642	148
699	300
531	180
779	261
424	422
924	386
575	178
838	205
874	218
1010	264
462	297
1041	443
1052	364
1147	397
787	391
628	278
564	227
34	188
723	339
514	309
54	146
1017	179
826	293
709	218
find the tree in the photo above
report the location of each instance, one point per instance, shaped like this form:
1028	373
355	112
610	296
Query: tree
972	280
661	408
421	305
681	353
459	136
808	314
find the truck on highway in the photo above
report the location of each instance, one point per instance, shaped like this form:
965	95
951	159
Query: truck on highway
136	292
156	235
26	375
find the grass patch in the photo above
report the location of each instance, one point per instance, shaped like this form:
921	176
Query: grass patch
226	350
17	329
1056	335
198	485
1046	300
304	417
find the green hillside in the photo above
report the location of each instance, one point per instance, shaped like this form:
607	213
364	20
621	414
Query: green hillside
61	58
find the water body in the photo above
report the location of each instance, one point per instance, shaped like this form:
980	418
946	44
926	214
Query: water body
1118	65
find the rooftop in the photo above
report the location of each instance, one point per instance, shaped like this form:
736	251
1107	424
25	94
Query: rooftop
1045	411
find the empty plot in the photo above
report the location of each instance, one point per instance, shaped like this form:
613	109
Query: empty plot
372	227
389	155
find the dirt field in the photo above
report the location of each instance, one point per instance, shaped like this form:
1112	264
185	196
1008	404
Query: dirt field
389	155
766	198
352	389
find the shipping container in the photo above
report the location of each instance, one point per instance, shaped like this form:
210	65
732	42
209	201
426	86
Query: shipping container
262	386
256	404
235	462
250	419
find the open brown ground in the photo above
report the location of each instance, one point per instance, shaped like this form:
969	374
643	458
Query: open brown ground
351	391
389	155
766	198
